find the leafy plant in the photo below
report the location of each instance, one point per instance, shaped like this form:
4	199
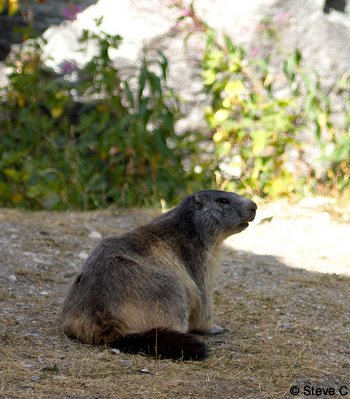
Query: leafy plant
257	116
89	139
252	126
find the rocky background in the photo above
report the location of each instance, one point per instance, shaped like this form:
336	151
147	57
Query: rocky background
320	29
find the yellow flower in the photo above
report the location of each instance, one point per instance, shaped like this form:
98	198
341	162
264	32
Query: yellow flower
255	174
13	7
20	101
219	136
322	120
56	112
226	103
59	95
221	115
234	88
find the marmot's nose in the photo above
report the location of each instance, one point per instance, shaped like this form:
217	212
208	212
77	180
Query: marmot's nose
252	205
251	208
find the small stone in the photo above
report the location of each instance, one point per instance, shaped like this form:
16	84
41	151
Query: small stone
115	351
44	293
83	255
126	363
95	234
286	325
12	277
35	378
146	371
33	334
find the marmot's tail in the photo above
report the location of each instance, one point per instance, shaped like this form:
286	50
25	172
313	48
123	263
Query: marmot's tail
163	343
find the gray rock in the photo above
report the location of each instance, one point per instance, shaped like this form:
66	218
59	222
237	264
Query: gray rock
50	12
320	29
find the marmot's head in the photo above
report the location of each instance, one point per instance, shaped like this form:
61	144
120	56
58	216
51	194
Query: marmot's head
218	214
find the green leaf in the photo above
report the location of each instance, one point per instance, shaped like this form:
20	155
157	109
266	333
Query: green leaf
260	140
223	149
142	80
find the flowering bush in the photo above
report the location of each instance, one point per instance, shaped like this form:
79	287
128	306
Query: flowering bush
92	142
91	137
253	126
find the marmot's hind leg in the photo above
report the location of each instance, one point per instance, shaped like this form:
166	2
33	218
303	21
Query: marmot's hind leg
156	305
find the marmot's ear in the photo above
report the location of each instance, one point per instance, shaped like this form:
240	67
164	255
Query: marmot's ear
198	201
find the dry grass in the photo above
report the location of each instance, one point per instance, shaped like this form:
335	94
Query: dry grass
284	326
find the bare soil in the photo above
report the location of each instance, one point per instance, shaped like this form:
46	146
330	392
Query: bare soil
283	295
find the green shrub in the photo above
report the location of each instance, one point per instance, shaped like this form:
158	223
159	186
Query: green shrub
257	114
87	140
98	135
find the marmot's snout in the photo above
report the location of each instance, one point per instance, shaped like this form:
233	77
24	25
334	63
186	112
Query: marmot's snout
251	208
247	209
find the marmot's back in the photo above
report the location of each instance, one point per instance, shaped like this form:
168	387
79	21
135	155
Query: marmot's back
147	289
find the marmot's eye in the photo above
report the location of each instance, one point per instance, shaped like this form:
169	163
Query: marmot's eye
223	200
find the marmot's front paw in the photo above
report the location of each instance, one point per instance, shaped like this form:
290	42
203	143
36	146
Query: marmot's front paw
216	330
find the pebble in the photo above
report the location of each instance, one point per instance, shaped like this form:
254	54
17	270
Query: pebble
115	351
286	325
95	234
127	363
32	334
83	255
44	293
12	277
146	371
35	378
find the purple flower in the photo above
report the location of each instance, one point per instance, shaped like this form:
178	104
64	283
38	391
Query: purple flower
70	13
68	67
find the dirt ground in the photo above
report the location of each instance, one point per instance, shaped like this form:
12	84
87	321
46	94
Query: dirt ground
282	294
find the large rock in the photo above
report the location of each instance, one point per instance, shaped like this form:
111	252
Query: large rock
42	14
319	28
321	31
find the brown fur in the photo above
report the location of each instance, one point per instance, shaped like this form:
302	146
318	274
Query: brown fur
154	285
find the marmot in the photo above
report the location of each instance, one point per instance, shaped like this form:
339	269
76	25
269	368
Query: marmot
148	289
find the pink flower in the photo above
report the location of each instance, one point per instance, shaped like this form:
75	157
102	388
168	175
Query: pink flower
254	52
70	13
282	17
186	12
